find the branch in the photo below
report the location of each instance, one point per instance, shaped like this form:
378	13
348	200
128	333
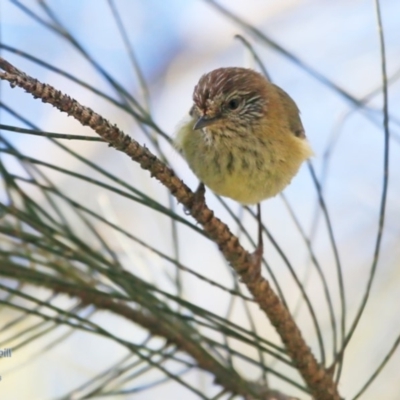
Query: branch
317	378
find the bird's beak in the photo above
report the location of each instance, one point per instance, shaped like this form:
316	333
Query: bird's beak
204	121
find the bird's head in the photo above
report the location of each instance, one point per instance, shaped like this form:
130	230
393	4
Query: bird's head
229	99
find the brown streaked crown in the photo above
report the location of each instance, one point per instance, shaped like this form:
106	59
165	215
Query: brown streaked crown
223	82
216	90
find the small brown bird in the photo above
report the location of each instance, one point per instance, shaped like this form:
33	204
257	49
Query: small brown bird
244	138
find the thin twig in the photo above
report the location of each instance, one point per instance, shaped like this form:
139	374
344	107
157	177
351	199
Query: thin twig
382	209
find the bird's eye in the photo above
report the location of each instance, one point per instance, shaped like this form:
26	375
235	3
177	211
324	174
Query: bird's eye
233	104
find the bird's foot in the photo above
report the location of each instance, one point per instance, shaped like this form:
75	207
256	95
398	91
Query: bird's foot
257	257
199	200
199	194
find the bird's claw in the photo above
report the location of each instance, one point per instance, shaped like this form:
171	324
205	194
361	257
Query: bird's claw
199	194
256	257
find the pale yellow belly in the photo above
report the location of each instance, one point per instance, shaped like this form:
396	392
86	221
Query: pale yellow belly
245	169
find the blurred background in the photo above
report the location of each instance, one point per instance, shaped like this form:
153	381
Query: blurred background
327	56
